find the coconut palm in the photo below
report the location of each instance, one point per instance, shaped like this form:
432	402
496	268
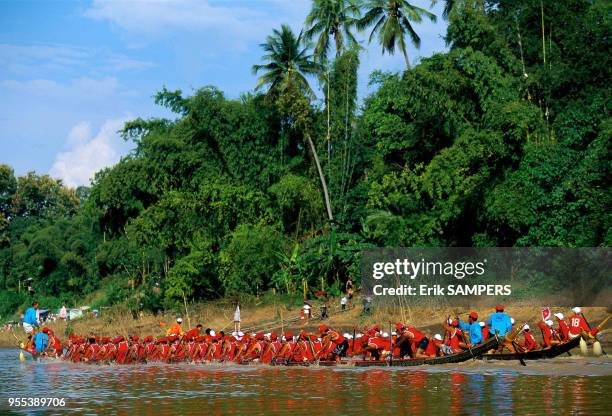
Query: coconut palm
331	19
285	75
287	60
450	5
392	21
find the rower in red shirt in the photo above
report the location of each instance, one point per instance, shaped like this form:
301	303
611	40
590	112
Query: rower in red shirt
163	348
149	344
123	349
453	337
271	349
255	348
55	344
91	350
563	328
335	344
529	343
547	333
577	323
286	349
485	330
79	351
416	339
433	347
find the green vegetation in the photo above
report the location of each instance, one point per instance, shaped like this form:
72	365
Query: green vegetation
504	140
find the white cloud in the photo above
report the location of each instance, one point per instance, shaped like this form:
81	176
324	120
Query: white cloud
34	59
87	154
155	16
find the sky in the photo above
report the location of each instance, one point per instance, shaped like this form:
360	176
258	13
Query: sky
71	72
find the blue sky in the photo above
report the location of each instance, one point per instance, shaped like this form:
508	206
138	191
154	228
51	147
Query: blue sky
72	72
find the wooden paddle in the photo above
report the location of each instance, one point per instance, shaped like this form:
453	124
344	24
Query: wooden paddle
20	345
599	326
390	345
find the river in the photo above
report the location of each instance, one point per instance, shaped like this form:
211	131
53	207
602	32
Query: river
568	385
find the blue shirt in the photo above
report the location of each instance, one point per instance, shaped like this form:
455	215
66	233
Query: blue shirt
500	322
475	331
41	340
30	317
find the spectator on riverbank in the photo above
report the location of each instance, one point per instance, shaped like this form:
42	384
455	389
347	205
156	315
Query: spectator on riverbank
63	313
237	317
306	308
30	318
343	303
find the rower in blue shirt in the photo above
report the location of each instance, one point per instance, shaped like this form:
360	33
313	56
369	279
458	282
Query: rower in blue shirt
30	318
41	341
473	328
499	322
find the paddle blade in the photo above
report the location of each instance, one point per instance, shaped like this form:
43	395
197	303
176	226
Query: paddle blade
584	350
21	356
597	351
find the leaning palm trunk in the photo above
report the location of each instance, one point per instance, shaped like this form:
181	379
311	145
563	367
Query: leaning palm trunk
321	176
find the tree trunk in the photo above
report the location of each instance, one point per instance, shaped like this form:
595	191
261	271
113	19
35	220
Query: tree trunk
406	58
321	176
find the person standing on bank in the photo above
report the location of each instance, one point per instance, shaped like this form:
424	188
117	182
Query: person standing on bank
30	318
237	318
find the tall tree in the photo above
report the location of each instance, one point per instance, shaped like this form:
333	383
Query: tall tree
331	19
392	21
287	60
285	75
450	5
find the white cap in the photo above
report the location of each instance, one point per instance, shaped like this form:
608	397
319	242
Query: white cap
179	320
346	335
349	337
393	333
450	321
577	309
359	335
526	327
385	334
482	324
559	315
212	333
512	321
549	322
438	337
234	333
240	333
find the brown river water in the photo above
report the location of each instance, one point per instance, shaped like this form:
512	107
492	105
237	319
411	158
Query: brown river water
565	385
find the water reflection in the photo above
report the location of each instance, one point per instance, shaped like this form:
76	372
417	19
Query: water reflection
157	389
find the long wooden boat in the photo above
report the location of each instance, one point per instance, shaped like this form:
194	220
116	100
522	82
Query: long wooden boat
459	357
549	352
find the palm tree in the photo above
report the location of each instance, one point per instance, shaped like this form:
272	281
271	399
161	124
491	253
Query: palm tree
288	64
287	60
392	20
331	19
450	5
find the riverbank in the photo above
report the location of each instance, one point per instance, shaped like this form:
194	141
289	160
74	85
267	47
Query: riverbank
277	317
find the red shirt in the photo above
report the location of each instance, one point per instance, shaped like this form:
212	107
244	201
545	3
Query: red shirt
418	335
564	330
530	342
577	322
432	348
546	334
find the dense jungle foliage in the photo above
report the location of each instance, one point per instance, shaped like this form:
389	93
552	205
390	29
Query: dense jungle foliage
504	140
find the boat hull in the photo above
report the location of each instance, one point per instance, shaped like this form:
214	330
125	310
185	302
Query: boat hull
543	353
